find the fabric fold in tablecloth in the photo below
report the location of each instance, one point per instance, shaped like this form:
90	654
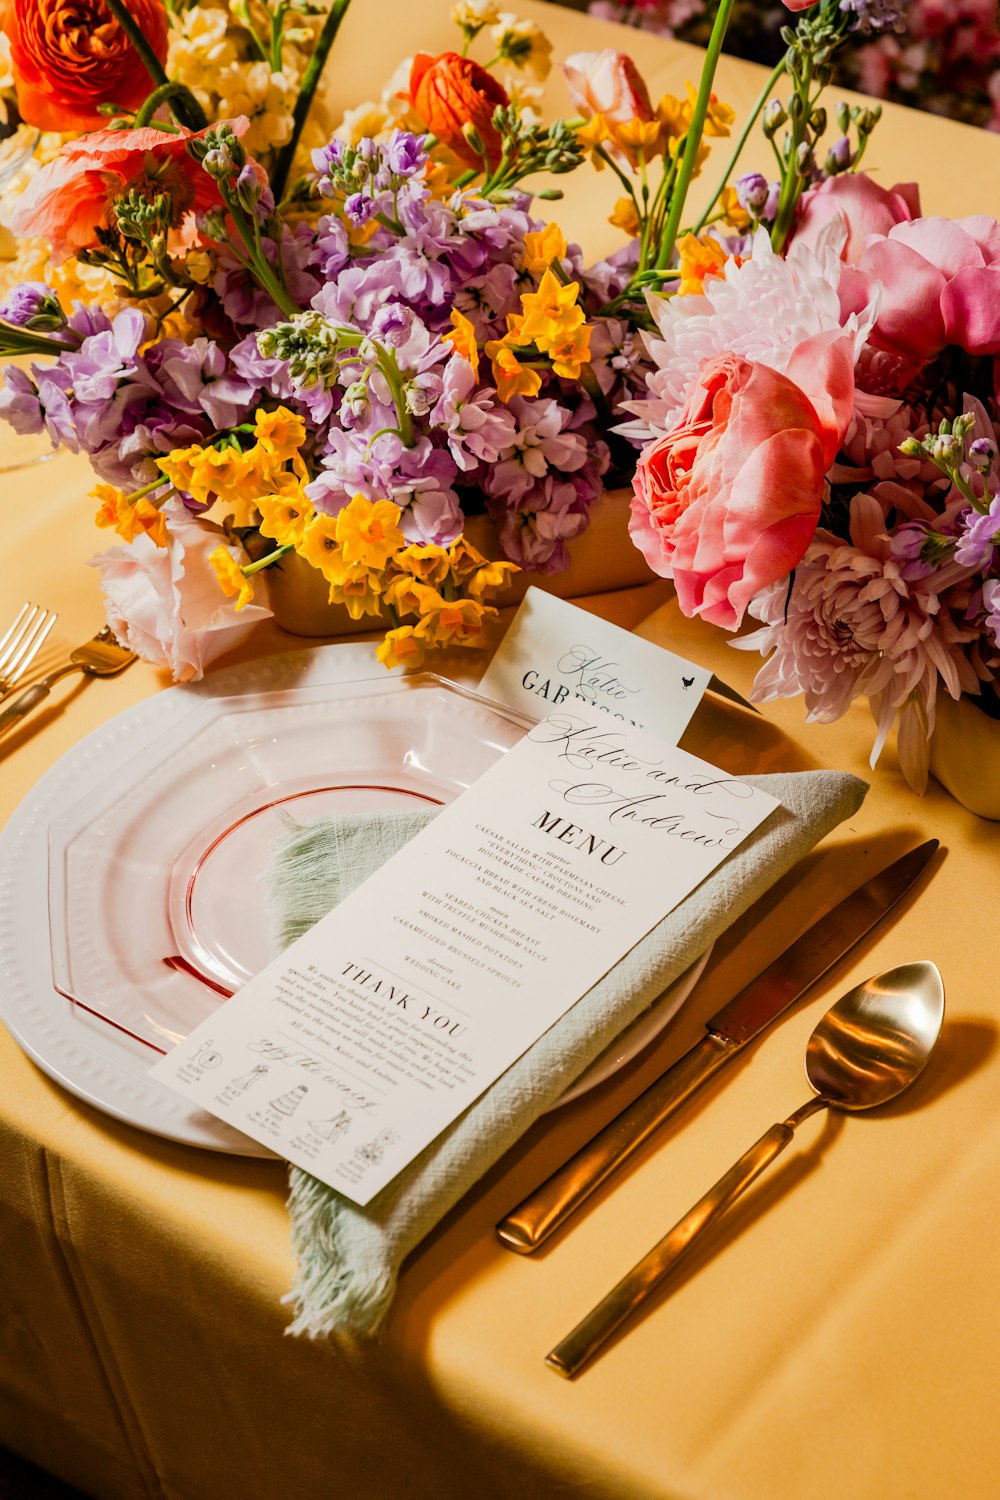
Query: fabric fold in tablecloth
349	1258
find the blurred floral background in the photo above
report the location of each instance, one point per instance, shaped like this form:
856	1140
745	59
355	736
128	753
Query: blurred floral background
945	57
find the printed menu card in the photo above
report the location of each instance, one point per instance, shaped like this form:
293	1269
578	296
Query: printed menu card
555	653
352	1051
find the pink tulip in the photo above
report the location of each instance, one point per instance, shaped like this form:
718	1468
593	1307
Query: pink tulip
607	83
727	502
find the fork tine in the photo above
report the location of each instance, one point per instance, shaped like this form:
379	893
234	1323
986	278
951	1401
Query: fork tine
16	633
30	648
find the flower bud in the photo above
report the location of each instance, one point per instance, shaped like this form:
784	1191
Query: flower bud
752	191
32	305
843	117
839	157
983	454
248	188
817	120
804	159
911	447
948	451
218	163
774	117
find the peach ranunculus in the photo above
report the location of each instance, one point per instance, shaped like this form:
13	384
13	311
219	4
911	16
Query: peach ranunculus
71	197
69	56
450	92
165	604
607	83
727	502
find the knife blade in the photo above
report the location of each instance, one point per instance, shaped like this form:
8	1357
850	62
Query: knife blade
739	1021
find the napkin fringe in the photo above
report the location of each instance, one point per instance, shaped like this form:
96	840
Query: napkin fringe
330	1294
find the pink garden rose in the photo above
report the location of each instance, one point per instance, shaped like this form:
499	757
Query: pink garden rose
938	281
728	500
865	207
607	83
165	603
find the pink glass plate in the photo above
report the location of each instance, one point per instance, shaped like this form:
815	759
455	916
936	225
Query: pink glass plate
156	903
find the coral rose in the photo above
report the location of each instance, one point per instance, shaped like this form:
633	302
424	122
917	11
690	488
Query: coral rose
70	198
69	56
727	502
607	83
450	92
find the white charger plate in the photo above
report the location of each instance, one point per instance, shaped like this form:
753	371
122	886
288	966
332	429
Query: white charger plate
304	730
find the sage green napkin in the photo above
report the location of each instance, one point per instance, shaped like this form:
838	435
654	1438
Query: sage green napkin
349	1258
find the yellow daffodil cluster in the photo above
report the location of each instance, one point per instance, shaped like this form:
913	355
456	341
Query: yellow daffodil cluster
239	476
550	332
371	569
246	480
128	515
639	140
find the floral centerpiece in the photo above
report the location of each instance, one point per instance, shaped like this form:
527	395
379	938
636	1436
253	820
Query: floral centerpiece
272	338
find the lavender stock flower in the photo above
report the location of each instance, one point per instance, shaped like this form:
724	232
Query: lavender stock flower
873	17
32	305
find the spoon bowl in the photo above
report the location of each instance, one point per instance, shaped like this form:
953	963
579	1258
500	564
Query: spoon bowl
877	1039
866	1050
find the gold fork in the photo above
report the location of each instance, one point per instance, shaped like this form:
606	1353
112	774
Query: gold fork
100	657
22	643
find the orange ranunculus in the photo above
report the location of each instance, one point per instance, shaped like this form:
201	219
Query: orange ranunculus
449	92
69	56
71	196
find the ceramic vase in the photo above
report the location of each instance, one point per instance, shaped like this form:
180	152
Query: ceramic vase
965	754
602	559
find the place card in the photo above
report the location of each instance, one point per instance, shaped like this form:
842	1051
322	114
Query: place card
555	653
354	1049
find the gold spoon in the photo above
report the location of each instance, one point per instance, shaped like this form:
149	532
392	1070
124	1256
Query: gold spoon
868	1048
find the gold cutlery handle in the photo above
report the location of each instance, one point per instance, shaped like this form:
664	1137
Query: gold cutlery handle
31	698
531	1223
573	1352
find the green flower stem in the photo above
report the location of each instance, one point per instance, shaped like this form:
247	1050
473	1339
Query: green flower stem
310	82
183	104
744	136
255	260
265	562
193	120
25	341
394	380
686	171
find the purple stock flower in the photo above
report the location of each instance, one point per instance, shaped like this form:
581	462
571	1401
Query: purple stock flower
359	208
106	359
872	17
991	603
32	305
19	403
752	190
404	153
980	537
198	377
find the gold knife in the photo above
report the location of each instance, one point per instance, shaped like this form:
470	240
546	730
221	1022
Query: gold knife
758	1004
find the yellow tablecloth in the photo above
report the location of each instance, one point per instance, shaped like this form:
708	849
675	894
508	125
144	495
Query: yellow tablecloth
839	1339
